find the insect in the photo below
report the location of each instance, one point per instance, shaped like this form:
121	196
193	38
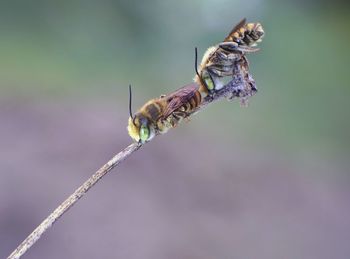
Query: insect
161	114
219	60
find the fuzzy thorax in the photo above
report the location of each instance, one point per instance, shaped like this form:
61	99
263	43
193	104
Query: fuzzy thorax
203	64
133	130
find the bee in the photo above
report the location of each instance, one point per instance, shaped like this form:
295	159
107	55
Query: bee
159	115
219	60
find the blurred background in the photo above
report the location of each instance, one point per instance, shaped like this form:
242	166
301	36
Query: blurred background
270	180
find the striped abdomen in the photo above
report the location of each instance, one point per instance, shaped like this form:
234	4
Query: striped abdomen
248	34
185	110
193	103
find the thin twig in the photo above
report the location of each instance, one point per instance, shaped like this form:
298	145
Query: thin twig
237	87
71	200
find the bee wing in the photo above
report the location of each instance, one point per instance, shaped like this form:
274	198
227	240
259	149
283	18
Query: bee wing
178	98
236	28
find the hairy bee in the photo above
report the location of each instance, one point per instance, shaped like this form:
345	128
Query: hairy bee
163	113
219	60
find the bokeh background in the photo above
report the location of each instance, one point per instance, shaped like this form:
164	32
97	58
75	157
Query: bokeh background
268	181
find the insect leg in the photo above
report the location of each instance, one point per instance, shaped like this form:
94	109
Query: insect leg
233	46
228	45
221	70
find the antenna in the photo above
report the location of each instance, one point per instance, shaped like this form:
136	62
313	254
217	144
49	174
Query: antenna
195	61
130	99
195	67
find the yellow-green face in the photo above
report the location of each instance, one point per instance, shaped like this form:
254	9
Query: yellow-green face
144	133
139	129
208	81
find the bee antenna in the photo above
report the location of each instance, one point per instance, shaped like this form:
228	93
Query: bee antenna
195	61
130	99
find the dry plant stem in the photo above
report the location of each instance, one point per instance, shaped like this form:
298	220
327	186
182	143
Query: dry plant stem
232	89
71	200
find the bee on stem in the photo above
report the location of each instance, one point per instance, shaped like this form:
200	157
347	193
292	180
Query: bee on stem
219	60
159	115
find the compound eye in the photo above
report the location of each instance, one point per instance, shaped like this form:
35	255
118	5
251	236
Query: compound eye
208	81
144	133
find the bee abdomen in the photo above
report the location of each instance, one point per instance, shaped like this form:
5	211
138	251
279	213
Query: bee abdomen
195	101
198	98
248	35
189	106
192	104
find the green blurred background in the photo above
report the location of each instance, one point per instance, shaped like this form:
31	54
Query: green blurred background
268	181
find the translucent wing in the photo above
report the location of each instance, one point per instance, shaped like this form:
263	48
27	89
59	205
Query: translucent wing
178	98
236	28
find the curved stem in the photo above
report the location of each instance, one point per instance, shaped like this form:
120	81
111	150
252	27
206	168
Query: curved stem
71	200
